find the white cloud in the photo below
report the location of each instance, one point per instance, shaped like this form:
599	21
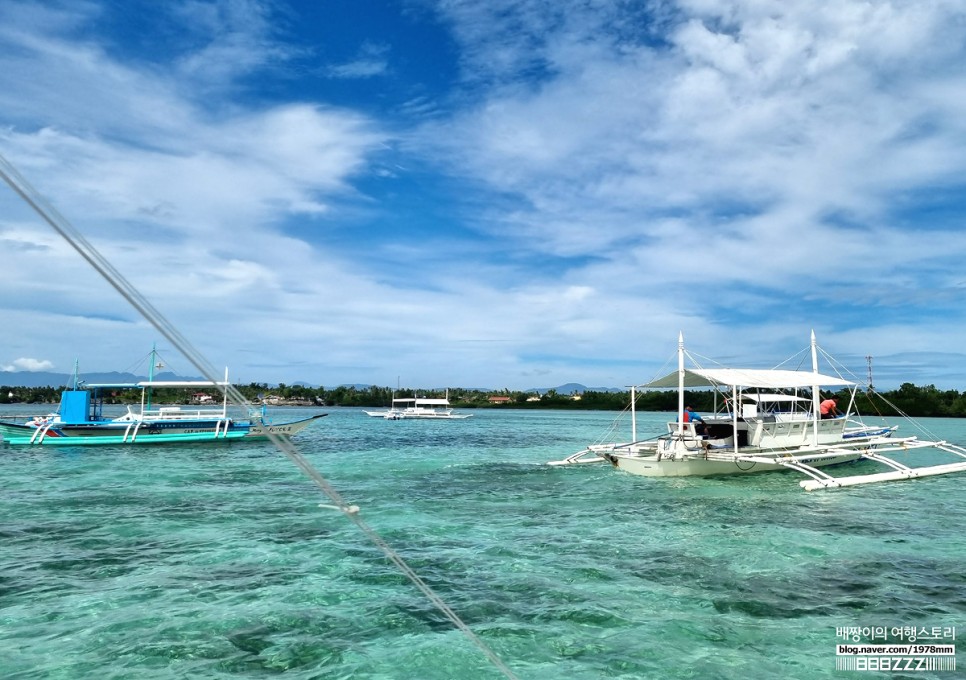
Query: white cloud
775	110
370	62
25	364
738	170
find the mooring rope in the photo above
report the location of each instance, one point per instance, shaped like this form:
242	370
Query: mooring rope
70	234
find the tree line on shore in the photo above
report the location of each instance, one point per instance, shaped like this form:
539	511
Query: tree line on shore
913	400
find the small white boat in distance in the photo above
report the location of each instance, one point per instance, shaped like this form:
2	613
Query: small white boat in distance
420	408
765	420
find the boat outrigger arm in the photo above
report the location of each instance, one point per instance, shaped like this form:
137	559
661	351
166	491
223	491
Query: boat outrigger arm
899	471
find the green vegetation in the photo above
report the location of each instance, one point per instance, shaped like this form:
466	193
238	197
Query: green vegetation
30	395
913	400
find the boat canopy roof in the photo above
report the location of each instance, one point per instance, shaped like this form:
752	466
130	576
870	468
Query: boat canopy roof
420	401
155	383
772	397
182	383
110	386
772	379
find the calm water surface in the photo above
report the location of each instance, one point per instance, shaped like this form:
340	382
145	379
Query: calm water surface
216	561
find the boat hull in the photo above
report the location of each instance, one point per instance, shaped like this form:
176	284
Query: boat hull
112	433
14	430
697	467
118	429
259	430
124	440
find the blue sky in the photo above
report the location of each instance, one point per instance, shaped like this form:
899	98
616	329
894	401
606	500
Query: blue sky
501	194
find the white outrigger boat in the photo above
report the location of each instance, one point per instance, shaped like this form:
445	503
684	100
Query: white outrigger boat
767	420
419	408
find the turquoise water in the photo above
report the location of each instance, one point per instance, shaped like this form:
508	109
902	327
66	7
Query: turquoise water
216	561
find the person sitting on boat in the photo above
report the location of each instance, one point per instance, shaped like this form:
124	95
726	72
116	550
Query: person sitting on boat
829	408
692	416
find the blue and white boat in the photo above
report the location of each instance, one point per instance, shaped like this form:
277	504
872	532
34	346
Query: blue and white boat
80	419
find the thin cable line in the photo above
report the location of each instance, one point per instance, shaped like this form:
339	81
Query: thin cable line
70	234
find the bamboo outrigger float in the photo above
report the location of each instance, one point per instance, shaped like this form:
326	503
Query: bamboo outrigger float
769	420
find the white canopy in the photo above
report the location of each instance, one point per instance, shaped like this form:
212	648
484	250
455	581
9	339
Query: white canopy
420	401
156	383
104	386
772	379
773	397
181	383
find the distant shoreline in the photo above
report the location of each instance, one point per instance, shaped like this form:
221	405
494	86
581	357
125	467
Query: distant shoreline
909	399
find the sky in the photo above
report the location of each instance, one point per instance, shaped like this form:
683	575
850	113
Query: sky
508	194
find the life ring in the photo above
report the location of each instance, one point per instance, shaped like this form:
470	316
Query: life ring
39	421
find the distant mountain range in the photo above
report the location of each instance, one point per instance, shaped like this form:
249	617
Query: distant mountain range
47	379
574	388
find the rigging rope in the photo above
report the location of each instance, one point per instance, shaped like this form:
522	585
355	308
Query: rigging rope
76	240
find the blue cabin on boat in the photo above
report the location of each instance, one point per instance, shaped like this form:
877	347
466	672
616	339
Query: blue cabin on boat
78	406
75	406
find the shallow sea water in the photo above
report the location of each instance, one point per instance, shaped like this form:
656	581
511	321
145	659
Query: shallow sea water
216	561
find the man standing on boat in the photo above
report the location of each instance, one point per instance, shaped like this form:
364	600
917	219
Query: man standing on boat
829	408
691	416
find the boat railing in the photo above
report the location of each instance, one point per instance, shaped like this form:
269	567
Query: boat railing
687	429
179	413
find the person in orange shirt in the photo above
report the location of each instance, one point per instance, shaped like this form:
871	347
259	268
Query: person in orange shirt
829	408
